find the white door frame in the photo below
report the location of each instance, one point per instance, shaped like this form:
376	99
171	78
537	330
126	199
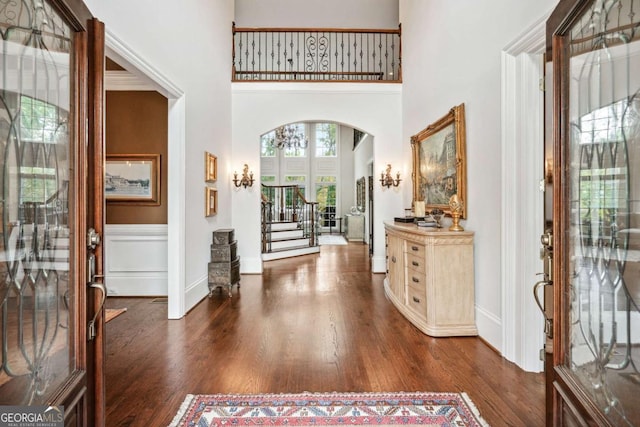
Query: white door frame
117	50
522	199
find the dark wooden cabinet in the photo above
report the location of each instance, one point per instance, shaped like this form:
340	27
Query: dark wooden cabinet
224	268
593	376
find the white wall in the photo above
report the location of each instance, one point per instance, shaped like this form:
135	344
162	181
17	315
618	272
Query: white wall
347	177
317	13
190	44
259	107
452	55
363	157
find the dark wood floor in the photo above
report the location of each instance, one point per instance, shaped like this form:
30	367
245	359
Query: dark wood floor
312	323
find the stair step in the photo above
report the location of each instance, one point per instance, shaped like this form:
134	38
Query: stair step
278	226
286	234
289	243
290	252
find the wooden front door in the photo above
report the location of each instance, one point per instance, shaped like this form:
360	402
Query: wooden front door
51	156
594	376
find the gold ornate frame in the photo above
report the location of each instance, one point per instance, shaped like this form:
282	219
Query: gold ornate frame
210	167
132	179
210	201
440	162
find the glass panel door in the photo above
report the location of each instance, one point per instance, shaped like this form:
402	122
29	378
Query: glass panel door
602	207
36	293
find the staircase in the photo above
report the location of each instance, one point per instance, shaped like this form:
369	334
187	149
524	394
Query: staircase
289	223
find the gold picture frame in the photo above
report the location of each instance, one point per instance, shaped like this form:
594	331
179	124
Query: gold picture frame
210	201
132	179
440	162
210	167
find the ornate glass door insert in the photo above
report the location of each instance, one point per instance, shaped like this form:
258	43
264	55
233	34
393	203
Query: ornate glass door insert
36	296
603	208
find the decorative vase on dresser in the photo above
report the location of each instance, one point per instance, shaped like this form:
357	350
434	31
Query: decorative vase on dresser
430	278
224	268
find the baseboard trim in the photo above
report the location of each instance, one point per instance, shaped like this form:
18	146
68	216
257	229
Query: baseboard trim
489	328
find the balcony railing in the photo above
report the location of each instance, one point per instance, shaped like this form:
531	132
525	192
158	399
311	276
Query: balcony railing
316	54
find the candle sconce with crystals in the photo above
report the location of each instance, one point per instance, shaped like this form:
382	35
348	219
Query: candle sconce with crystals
387	180
246	180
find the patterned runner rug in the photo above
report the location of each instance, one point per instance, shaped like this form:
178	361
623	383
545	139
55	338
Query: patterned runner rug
329	409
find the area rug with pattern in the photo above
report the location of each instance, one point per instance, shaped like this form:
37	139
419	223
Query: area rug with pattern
329	409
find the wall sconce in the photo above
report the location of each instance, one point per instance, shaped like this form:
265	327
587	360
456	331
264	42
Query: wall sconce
387	180
246	180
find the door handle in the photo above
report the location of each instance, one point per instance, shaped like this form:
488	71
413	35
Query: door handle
548	322
91	283
92	323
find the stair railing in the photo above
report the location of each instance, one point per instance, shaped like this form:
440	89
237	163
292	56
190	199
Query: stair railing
287	204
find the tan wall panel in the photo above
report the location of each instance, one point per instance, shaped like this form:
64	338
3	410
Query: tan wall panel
136	123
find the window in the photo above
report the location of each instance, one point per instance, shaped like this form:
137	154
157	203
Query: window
314	169
297	152
266	145
39	121
326	198
326	140
603	172
37	184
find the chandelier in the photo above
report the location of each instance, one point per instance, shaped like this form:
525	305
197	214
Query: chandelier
288	137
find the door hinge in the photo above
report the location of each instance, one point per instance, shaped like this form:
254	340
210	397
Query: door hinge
541	84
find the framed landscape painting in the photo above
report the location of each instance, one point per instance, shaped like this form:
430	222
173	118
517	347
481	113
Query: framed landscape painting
440	162
132	179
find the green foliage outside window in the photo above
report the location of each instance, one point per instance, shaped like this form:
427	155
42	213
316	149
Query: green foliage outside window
266	145
326	140
37	184
39	124
39	121
326	192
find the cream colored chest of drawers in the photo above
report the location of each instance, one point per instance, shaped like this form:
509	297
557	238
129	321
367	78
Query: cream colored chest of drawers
430	278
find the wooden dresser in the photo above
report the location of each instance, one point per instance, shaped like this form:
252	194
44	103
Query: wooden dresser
430	278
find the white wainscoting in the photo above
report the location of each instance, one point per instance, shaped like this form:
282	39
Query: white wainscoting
136	259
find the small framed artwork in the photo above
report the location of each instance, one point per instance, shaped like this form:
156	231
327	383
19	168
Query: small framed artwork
440	162
210	167
132	179
210	201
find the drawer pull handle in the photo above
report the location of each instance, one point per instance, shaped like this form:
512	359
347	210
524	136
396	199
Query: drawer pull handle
393	258
416	280
416	300
414	248
416	263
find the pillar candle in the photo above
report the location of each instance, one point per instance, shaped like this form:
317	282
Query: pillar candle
418	208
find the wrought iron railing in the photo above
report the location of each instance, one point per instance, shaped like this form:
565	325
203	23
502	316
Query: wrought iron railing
287	204
316	54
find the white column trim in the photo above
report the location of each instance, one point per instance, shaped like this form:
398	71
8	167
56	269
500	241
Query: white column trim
522	208
117	50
